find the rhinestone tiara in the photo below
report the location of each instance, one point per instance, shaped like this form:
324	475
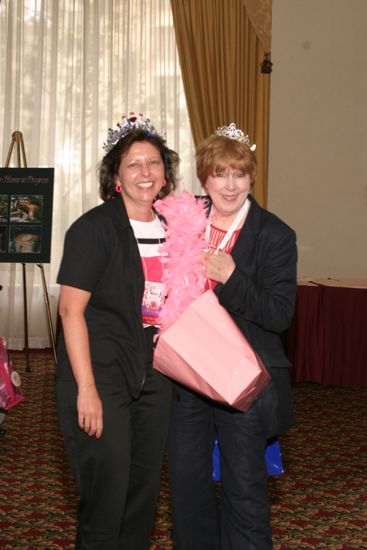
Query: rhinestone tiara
127	124
232	132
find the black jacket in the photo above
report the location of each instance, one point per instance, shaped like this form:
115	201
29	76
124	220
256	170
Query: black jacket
260	295
101	256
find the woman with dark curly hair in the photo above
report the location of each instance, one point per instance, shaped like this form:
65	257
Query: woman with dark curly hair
113	408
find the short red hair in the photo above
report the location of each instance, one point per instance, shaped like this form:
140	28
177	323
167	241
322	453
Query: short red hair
217	153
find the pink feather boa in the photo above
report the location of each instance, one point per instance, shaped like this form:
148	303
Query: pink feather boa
184	277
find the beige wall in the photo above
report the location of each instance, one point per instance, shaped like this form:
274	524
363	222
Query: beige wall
318	132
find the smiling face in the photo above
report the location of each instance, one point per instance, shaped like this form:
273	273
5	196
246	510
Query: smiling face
141	175
226	169
228	190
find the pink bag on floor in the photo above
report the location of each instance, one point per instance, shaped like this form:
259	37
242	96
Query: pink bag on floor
206	351
10	392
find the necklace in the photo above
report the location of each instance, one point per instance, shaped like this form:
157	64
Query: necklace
236	222
143	220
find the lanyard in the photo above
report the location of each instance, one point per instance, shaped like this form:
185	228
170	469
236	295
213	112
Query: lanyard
236	222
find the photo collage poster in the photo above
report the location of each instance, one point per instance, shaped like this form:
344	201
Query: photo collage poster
26	196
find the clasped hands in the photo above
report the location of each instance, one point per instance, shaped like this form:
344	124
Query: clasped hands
218	265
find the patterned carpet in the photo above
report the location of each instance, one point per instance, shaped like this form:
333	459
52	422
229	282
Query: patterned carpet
320	501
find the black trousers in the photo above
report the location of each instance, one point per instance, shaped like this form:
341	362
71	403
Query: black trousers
241	520
118	475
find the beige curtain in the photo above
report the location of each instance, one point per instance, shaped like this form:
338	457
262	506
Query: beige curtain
220	58
68	70
260	14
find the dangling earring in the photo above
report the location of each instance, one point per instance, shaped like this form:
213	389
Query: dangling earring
118	187
164	183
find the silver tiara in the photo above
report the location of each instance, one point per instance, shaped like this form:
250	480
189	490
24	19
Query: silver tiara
232	132
128	123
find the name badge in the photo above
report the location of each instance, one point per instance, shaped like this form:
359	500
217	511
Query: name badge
153	299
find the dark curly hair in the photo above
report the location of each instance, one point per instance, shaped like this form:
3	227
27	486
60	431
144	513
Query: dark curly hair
110	164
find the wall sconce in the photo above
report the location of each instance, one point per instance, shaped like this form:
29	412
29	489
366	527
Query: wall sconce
266	65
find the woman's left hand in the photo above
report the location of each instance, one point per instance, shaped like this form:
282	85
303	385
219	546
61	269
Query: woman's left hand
219	266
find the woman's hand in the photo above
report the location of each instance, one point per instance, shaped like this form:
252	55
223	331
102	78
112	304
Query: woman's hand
90	412
72	304
219	266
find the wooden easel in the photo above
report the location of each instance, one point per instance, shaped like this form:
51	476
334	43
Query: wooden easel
17	139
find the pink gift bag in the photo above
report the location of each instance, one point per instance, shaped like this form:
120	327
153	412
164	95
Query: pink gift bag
205	351
10	391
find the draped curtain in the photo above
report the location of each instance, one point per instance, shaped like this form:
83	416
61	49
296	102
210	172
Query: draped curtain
68	70
220	56
260	14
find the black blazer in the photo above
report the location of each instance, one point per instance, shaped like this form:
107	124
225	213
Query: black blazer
260	295
101	256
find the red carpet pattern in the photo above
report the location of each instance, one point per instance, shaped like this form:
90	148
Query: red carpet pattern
320	501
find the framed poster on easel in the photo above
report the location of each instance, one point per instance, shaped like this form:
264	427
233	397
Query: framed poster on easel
26	196
25	222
